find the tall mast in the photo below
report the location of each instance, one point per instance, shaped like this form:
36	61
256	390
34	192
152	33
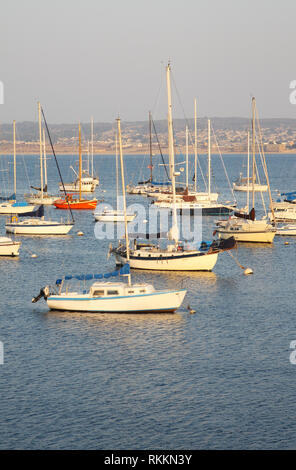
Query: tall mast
187	175
92	146
209	157
44	160
195	147
123	194
253	151
248	174
88	157
80	163
150	146
41	150
14	161
174	232
116	159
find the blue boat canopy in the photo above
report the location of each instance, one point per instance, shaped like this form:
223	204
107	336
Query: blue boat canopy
156	183
289	194
87	277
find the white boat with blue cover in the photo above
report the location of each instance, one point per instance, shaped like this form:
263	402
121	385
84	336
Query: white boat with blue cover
111	297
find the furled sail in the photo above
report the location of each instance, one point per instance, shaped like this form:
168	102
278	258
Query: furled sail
125	270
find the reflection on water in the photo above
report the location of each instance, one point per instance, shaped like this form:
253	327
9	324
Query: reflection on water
218	379
113	319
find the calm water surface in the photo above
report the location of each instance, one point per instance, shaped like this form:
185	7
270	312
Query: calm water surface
218	379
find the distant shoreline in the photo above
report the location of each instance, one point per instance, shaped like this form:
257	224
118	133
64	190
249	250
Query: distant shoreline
130	151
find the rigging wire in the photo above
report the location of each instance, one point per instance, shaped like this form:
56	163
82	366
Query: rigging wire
222	161
57	164
190	136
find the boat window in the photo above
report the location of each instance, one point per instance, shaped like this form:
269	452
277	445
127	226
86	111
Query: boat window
112	292
131	292
98	293
143	290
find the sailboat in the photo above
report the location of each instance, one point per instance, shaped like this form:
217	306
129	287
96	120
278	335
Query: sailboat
88	181
145	188
9	247
72	202
42	196
12	206
38	225
243	226
206	202
114	215
174	257
243	183
113	297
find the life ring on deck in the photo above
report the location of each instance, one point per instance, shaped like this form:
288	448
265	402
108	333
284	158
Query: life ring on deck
14	219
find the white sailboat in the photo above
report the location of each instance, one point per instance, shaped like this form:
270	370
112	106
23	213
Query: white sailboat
9	247
13	206
114	215
38	225
206	202
42	196
242	183
88	182
174	257
243	226
114	297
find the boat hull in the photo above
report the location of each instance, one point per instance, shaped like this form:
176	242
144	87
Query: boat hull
157	302
113	217
35	229
289	230
76	205
247	237
9	248
206	210
284	215
245	188
45	201
168	262
9	208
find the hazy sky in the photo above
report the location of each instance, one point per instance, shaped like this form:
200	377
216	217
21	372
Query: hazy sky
104	57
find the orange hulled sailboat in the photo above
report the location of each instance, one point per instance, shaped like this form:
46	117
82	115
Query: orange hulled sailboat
76	203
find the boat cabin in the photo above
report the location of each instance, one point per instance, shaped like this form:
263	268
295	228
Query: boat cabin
110	289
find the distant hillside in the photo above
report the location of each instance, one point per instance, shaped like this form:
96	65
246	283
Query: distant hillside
28	131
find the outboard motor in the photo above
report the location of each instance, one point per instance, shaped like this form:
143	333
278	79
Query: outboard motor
44	292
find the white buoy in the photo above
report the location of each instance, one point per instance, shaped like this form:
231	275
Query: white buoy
80	234
248	271
33	255
286	243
